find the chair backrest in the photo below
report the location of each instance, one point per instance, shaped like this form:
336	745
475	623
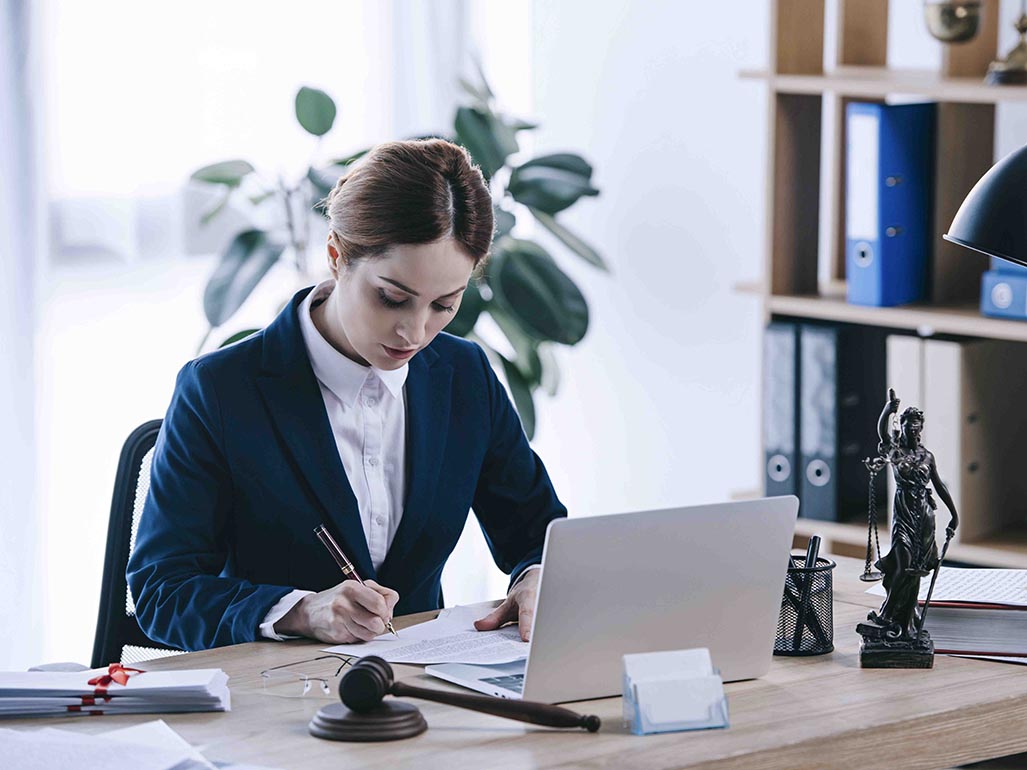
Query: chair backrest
118	636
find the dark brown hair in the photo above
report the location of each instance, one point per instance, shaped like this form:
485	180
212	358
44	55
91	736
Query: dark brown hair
411	192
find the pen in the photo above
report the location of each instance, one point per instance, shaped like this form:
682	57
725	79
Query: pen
811	561
792	593
349	572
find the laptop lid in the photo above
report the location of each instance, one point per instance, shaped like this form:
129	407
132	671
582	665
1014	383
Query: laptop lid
703	576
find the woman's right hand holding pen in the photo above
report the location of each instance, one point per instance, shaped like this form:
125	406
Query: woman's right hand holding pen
346	613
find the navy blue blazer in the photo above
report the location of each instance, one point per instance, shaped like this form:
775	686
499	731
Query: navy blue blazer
246	466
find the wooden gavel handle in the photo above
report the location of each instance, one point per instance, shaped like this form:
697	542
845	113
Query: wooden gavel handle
521	710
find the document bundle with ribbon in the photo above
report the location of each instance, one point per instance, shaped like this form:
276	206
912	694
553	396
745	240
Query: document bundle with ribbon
671	691
114	690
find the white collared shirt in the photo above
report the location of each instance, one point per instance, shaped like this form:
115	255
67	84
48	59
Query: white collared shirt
366	408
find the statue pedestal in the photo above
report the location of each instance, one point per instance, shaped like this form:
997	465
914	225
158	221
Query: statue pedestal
879	651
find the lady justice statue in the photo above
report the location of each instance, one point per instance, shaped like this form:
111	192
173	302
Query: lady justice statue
893	636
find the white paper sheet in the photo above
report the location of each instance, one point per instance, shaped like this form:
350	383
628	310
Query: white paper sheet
1000	658
52	749
450	638
148	746
158	735
987	586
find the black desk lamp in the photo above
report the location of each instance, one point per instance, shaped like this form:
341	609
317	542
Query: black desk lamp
993	217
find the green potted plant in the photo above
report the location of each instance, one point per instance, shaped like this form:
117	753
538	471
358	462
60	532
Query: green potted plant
534	304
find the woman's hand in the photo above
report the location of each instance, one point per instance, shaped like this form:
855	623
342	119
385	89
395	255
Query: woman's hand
519	605
346	613
950	530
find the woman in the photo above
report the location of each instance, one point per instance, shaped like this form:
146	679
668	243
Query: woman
914	552
351	410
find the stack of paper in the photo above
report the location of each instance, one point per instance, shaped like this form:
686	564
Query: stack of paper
60	693
148	746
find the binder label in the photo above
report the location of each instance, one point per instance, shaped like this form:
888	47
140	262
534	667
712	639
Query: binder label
861	177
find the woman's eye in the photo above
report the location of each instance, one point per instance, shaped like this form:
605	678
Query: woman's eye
444	308
389	301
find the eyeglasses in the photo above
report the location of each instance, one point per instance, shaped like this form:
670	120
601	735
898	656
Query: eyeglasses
286	681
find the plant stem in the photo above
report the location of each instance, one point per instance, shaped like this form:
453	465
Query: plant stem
291	225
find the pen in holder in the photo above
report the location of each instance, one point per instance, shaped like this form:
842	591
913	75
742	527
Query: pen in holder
806	623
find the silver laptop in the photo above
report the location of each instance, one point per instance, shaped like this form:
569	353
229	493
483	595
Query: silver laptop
705	576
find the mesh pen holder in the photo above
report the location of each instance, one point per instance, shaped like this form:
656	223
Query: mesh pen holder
806	623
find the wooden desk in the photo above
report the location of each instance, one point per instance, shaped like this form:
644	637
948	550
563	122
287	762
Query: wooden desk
822	712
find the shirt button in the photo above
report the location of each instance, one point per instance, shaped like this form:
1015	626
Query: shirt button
372	461
372	402
380	521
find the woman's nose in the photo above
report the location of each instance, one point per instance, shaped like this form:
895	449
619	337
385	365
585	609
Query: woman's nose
412	331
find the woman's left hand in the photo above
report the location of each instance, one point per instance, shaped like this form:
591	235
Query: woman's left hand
519	605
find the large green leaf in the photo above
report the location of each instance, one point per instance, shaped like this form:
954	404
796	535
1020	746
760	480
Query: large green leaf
522	125
229	172
525	348
565	161
521	392
217	208
245	262
315	110
467	316
537	293
547	188
570	240
476	92
504	221
238	337
350	159
550	369
488	139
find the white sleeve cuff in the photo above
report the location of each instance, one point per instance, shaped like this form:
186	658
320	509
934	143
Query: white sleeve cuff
525	572
279	611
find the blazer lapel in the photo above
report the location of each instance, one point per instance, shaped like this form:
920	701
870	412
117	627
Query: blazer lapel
293	399
428	407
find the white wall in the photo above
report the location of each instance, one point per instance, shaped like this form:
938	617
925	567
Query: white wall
659	404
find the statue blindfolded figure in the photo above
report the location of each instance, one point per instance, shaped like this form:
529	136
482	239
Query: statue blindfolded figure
914	551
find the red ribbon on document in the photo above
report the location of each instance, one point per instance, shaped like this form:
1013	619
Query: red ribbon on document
115	673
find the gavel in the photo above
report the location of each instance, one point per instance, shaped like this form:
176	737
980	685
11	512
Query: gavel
369	716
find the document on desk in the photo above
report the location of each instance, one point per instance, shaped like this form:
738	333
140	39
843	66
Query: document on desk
450	638
982	586
148	746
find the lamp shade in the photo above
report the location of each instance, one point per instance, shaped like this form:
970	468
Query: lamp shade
993	217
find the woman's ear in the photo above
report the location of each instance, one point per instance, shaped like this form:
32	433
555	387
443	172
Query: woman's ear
335	263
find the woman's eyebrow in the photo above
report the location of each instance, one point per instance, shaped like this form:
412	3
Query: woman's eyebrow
408	290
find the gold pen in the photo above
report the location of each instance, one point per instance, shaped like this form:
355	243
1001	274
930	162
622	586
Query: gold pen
349	572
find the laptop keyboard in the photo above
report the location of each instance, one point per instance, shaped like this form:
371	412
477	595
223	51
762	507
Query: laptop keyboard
514	682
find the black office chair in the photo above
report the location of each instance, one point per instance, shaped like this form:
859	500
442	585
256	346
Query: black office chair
118	636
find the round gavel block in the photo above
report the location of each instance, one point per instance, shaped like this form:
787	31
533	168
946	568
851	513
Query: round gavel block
389	721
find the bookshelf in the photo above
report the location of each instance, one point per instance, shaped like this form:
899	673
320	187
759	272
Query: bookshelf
800	87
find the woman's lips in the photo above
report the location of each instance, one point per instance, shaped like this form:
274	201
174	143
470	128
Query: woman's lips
399	354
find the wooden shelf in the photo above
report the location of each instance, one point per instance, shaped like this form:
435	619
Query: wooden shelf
1007	548
880	82
928	320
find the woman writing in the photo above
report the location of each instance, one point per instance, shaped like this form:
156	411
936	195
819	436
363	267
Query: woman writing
350	410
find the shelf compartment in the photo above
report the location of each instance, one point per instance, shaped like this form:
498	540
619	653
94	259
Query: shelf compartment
881	82
927	320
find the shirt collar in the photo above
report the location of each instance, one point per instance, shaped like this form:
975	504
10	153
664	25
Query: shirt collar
335	371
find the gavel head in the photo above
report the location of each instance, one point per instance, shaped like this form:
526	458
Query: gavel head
367	682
